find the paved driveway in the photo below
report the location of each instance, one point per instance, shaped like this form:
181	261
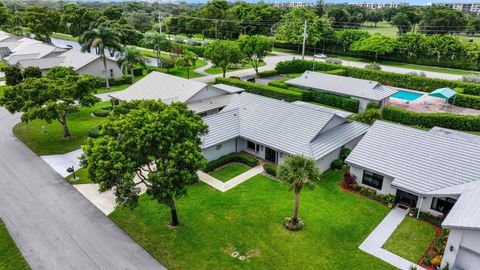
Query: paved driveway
54	226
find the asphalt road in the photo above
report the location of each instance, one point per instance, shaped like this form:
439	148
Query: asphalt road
53	225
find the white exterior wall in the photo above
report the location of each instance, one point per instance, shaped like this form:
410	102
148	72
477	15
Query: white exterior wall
465	252
387	181
324	163
242	146
96	68
206	92
219	150
363	104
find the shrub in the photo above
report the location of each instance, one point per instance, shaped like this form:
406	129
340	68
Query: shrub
337	164
270	169
414	73
232	157
472	78
467	101
345	103
429	120
94	132
435	220
372	105
289	225
263	90
137	71
344	153
338	72
13	75
373	66
333	61
267	73
101	113
368	117
32	72
349	180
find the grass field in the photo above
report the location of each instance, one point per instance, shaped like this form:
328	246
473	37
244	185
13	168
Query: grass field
82	177
51	140
64	36
411	239
383	28
229	171
248	219
218	70
10	256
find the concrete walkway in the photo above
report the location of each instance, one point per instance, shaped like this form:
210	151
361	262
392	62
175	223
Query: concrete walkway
237	180
373	245
201	70
60	163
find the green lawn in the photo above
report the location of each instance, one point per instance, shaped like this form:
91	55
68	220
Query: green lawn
82	177
383	28
411	239
248	219
182	72
51	141
10	256
64	36
229	171
218	70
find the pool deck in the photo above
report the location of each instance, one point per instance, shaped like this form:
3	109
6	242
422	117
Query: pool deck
429	104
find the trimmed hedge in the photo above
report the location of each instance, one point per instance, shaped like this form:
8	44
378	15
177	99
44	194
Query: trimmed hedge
263	90
267	73
348	104
395	79
339	72
270	169
232	157
94	132
467	101
429	120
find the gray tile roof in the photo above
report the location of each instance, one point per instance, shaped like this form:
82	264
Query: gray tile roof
211	103
228	88
42	63
280	125
223	126
419	161
455	134
345	86
160	86
465	214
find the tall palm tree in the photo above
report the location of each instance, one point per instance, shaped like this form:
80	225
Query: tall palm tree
187	59
157	41
129	58
297	171
100	39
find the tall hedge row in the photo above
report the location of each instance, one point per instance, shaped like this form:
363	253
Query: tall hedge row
429	120
467	101
395	79
348	104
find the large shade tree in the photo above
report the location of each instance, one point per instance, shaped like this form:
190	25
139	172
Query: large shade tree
52	97
374	45
223	53
255	49
129	58
149	143
297	171
101	39
42	22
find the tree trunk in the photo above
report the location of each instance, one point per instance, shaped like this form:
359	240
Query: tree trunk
255	65
188	72
295	207
159	58
224	69
66	132
107	85
132	75
173	213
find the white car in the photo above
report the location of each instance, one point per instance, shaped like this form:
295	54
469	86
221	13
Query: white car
320	56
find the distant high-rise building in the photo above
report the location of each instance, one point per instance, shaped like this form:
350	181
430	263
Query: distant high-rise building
472	8
293	4
380	5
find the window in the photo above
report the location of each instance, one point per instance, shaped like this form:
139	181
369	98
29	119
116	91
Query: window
252	146
442	204
111	72
372	179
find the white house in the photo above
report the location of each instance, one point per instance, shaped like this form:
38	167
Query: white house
364	91
272	129
437	171
202	98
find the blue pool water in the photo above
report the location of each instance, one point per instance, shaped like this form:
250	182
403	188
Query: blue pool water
407	95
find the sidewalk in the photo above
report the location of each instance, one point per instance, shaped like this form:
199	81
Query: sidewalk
375	241
237	180
60	163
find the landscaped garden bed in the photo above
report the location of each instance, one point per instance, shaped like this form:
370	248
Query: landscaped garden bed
248	220
229	171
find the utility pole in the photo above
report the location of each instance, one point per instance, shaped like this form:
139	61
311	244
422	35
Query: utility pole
216	29
160	18
304	39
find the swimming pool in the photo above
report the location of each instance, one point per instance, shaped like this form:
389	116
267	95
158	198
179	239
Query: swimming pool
407	95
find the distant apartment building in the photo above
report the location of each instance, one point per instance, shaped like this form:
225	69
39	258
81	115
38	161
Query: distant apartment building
380	5
292	4
472	8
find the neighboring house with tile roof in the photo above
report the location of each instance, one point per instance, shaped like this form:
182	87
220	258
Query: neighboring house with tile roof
364	91
202	98
272	129
436	171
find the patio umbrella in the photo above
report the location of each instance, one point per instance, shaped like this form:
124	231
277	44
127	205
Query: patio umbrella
444	93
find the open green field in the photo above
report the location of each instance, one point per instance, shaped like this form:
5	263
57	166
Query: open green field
10	256
64	36
411	239
383	28
51	140
229	171
218	70
248	219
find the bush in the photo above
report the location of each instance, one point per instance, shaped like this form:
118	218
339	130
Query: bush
137	71
270	169
467	101
118	81
472	78
32	72
168	63
372	105
263	90
94	132
333	61
13	75
429	120
101	113
338	72
350	182
345	103
232	157
337	164
435	220
414	73
373	66
289	225
344	153
268	73
368	117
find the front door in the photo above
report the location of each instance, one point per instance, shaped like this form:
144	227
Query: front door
270	155
406	198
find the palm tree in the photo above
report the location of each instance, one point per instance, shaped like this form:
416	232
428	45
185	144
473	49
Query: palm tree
129	58
156	41
187	59
297	171
101	39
